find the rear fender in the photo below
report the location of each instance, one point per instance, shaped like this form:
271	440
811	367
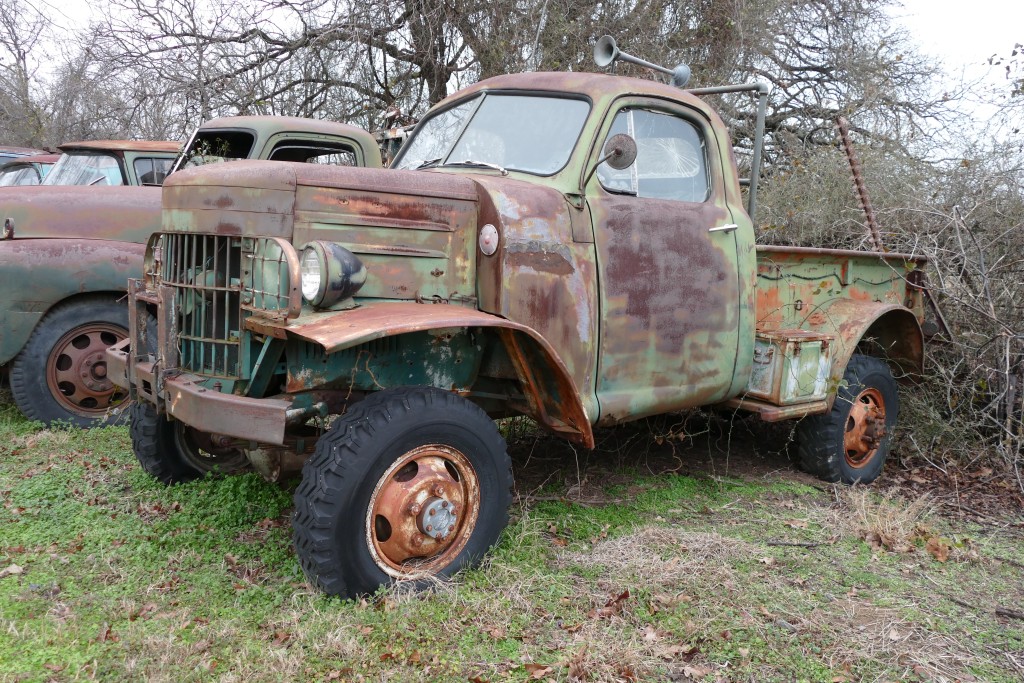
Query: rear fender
889	331
551	396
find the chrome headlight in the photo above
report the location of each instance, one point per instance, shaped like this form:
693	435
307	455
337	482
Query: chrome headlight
330	273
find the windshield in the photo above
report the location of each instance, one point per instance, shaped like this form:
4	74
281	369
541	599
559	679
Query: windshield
85	168
216	146
18	175
527	133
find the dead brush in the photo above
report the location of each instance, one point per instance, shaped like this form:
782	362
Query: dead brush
884	521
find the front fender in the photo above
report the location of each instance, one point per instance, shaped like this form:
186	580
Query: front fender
893	331
553	398
39	273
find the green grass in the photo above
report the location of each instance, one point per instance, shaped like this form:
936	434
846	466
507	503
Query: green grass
608	573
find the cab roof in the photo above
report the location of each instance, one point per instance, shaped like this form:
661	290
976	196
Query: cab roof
168	146
268	125
596	86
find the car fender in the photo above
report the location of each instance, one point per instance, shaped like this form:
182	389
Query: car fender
552	397
894	333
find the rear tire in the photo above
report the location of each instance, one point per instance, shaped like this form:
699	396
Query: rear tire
850	443
367	511
60	376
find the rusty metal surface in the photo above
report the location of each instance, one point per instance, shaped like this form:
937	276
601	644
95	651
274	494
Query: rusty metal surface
865	427
858	182
420	517
171	146
71	267
127	214
207	410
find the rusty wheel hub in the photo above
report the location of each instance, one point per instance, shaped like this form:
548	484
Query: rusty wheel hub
422	511
865	427
76	370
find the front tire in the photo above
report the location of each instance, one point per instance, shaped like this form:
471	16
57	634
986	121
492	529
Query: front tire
171	452
410	484
60	376
850	443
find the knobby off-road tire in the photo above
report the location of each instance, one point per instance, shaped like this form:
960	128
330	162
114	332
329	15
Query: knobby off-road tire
850	443
411	484
60	376
171	452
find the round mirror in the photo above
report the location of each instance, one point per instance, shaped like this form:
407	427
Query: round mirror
620	151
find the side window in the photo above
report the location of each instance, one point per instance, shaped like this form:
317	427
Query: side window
151	171
333	155
671	162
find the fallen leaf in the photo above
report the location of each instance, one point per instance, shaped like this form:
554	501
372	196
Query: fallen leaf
938	548
797	523
894	635
12	570
537	671
767	561
651	634
696	672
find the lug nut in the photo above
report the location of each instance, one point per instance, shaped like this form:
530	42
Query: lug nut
414	509
444	503
438	491
451	528
430	528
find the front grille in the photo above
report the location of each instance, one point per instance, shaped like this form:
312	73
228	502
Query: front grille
220	280
206	270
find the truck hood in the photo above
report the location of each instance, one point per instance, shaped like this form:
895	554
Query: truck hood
126	214
414	231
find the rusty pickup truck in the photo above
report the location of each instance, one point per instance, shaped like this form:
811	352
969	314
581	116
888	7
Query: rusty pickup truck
66	253
572	247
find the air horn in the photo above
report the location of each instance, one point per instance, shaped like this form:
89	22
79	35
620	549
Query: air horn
606	52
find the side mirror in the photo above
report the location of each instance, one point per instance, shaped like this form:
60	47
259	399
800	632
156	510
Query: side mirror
619	152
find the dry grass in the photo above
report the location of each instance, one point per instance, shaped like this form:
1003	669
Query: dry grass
884	520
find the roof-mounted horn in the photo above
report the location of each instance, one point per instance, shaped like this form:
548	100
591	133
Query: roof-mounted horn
606	52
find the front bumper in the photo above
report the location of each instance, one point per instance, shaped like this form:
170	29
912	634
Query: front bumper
183	396
186	399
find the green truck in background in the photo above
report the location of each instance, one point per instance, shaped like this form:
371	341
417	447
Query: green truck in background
572	247
69	246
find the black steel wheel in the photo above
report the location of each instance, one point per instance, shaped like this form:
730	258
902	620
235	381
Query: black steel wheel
850	443
172	452
60	376
411	484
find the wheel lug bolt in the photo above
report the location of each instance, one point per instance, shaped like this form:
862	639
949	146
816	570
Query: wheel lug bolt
438	491
430	528
451	528
414	509
432	512
444	503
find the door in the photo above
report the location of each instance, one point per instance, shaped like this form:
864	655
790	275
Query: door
667	263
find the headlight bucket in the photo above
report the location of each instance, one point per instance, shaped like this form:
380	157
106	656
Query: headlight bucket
330	273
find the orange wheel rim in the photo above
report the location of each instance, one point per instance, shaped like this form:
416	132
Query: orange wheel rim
422	511
76	370
865	428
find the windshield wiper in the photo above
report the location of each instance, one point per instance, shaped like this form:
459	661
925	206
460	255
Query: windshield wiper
428	163
483	164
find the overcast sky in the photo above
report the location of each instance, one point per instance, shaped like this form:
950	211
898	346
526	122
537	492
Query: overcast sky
964	34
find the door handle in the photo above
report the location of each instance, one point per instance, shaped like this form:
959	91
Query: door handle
724	228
